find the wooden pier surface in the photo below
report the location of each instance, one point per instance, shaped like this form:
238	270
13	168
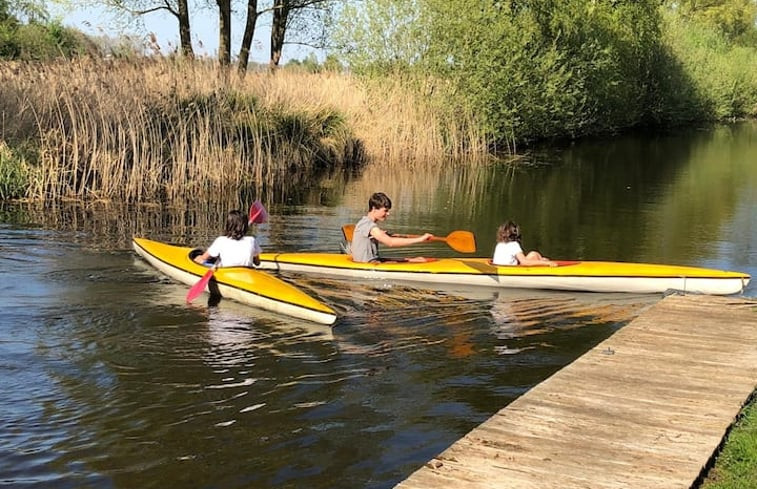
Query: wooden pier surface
645	408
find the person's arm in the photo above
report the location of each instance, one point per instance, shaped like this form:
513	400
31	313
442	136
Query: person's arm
393	241
256	251
533	262
201	259
212	252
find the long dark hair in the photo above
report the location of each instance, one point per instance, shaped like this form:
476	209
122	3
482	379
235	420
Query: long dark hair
507	232
236	225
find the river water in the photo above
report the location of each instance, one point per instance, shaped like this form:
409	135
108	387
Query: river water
110	380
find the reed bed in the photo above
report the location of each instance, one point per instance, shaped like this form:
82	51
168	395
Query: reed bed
170	130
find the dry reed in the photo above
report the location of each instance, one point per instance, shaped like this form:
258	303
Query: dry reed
172	130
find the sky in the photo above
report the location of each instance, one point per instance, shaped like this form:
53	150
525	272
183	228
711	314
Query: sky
98	21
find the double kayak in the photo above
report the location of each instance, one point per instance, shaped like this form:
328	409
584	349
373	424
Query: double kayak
243	284
588	276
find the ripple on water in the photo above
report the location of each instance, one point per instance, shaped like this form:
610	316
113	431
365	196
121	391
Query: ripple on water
112	377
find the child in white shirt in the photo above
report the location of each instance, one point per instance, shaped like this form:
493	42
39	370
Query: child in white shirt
234	249
509	252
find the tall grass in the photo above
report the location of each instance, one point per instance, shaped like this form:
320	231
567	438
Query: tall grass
168	130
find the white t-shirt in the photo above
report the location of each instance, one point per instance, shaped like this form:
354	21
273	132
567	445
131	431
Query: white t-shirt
235	252
504	253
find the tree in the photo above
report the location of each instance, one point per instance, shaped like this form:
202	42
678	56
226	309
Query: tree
249	32
177	8
17	11
382	35
286	13
224	32
530	69
278	30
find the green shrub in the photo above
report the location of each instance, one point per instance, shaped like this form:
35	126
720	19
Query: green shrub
15	174
722	76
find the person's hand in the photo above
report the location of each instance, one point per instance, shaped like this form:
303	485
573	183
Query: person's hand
427	236
552	264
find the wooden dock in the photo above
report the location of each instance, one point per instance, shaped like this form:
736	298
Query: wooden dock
646	408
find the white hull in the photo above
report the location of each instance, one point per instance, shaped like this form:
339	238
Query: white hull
641	285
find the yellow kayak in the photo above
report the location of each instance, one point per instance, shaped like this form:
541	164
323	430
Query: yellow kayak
589	276
243	284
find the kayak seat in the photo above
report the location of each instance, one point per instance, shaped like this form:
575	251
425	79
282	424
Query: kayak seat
199	251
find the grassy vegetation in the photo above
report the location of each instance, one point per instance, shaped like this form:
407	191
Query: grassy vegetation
432	82
17	176
167	129
736	465
537	70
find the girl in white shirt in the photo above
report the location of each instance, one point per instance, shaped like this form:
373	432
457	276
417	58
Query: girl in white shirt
234	249
509	252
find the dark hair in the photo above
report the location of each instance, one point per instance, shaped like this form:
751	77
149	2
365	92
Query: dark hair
379	200
507	232
236	225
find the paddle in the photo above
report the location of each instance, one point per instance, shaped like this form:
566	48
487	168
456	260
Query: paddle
462	241
257	215
199	287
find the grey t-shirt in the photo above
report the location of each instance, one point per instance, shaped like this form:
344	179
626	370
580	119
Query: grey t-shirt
364	248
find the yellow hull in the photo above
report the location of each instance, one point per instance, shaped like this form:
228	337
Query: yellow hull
590	276
245	285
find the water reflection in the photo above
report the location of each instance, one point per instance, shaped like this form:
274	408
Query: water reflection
683	198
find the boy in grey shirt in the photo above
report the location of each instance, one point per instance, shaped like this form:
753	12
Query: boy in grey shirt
368	235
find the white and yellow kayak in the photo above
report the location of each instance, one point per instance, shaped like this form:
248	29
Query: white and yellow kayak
589	276
246	285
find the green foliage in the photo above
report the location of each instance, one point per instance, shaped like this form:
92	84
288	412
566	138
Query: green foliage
16	174
37	39
720	77
311	65
536	69
380	36
332	64
546	68
735	19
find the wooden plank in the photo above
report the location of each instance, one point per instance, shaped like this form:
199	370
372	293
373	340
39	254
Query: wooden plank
645	408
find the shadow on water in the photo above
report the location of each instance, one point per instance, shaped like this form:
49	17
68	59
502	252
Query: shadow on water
111	380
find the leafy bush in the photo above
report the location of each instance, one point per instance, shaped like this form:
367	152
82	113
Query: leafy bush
722	76
37	39
15	174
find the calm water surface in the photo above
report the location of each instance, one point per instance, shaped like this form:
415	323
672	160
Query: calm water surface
111	381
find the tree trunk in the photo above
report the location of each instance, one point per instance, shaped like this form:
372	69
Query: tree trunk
184	31
278	31
224	32
249	32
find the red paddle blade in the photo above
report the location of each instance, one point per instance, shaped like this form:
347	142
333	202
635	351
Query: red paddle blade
199	287
258	214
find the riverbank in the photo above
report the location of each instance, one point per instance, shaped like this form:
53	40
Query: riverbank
167	130
735	466
173	130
